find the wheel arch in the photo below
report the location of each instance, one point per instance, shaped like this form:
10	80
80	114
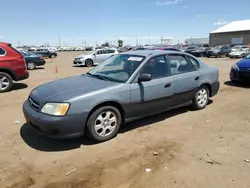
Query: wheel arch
8	72
209	88
108	103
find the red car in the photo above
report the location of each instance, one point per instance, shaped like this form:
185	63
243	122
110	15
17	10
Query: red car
12	67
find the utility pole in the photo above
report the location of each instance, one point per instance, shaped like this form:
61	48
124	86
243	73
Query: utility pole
59	40
149	39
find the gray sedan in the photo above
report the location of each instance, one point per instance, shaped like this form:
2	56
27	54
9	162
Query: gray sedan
123	88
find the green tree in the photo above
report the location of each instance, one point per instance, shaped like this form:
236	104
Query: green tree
120	43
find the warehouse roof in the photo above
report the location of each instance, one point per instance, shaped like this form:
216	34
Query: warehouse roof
243	25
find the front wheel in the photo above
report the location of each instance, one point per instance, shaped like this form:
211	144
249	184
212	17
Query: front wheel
201	98
104	123
89	63
6	82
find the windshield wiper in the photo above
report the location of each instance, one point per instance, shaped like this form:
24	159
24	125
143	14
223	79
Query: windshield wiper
98	76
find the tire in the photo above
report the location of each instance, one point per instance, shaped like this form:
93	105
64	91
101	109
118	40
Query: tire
31	65
6	82
99	123
52	56
89	63
201	98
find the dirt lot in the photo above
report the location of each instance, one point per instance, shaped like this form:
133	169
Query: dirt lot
206	148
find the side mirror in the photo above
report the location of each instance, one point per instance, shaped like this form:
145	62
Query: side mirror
243	57
94	54
144	78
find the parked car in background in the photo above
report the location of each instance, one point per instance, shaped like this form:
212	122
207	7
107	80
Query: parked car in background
94	57
236	48
199	52
218	51
52	49
45	53
33	60
123	88
241	70
12	67
239	53
188	49
166	48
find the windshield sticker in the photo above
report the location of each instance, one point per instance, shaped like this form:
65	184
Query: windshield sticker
134	58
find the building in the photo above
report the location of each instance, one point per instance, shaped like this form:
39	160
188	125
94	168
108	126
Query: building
237	32
201	40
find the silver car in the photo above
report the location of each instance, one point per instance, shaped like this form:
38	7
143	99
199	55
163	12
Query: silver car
94	57
241	52
123	88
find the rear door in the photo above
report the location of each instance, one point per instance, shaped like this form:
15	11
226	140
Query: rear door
186	77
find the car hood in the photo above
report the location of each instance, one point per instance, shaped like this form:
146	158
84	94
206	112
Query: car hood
68	88
244	63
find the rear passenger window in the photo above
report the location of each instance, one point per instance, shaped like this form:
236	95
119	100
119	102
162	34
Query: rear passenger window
179	64
111	51
2	52
194	63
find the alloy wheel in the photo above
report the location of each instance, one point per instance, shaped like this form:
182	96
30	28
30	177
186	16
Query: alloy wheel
4	82
105	123
202	97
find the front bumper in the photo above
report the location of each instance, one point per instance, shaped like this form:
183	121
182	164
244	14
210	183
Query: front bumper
77	62
68	126
208	54
240	75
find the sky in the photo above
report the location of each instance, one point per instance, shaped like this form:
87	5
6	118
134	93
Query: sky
74	22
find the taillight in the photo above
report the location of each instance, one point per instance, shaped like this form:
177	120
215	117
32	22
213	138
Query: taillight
21	61
41	57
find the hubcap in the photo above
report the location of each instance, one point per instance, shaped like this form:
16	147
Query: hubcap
105	123
4	82
31	66
202	97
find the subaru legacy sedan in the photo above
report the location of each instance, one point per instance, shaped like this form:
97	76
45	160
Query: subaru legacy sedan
123	88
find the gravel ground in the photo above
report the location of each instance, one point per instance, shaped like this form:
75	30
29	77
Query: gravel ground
181	148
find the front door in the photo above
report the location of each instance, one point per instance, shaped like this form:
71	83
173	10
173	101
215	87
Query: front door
153	96
186	77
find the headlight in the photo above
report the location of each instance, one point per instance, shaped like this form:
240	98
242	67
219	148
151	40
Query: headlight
235	67
56	109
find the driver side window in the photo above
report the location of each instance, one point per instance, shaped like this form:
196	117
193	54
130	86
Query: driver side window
156	67
99	52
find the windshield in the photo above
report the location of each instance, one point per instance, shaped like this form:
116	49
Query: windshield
118	68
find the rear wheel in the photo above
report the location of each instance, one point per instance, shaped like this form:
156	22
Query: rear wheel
104	123
31	65
52	56
89	63
6	82
201	98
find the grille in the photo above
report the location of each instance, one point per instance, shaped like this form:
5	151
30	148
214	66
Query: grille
244	75
34	104
245	69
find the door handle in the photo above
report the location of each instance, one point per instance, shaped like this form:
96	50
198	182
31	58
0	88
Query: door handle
167	85
197	78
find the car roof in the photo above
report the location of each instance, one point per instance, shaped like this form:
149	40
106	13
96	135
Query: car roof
149	53
4	43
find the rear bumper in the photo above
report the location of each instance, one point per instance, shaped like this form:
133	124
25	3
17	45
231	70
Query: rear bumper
215	88
40	62
22	77
68	126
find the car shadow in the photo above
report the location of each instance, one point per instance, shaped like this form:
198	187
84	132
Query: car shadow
42	143
19	86
157	118
237	84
